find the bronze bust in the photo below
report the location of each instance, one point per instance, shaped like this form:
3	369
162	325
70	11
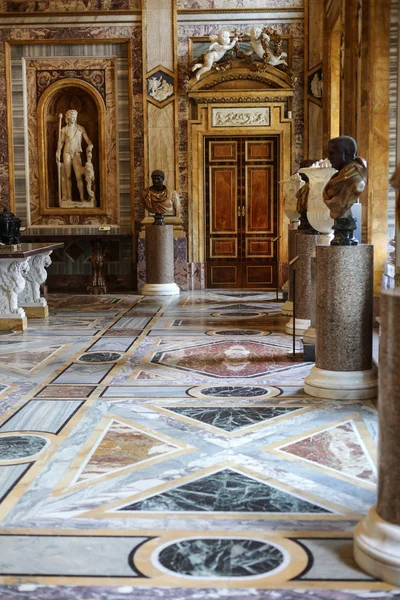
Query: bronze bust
158	199
344	188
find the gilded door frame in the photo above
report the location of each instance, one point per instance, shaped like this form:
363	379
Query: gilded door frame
201	127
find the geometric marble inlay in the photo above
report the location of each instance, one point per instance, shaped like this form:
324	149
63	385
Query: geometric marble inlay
220	557
100	357
27	360
238	332
121	446
230	419
228	359
14	447
225	491
229	391
339	448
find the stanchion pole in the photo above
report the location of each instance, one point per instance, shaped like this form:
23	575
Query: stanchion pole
291	263
276	253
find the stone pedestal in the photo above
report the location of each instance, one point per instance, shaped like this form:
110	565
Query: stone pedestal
287	308
309	334
29	299
304	248
344	311
377	537
159	261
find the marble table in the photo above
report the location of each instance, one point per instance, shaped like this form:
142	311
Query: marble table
22	272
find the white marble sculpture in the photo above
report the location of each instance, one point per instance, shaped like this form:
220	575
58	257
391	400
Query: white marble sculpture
259	41
219	46
34	278
159	88
317	86
12	283
70	144
290	187
317	212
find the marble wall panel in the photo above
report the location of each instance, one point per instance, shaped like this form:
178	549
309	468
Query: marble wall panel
66	34
43	6
221	4
315	130
161	141
394	86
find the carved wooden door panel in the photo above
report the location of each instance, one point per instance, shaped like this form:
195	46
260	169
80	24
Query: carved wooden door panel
241	211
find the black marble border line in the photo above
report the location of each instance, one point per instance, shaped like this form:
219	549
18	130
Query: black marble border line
300	577
4	496
81	402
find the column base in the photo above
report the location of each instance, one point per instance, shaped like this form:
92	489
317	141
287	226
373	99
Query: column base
285	286
377	548
159	289
12	323
36	312
300	326
342	385
287	308
309	335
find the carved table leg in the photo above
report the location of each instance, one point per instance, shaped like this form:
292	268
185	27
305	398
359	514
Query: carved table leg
29	299
97	258
12	283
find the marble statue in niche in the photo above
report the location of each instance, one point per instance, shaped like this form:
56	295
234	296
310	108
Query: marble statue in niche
70	144
159	200
220	44
344	188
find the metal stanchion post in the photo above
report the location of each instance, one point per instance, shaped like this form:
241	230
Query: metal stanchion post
291	263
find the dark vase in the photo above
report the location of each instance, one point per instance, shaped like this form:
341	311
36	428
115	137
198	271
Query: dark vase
9	228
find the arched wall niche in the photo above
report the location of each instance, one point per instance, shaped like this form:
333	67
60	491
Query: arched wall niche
58	98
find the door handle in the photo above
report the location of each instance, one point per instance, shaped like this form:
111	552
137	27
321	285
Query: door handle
238	211
243	211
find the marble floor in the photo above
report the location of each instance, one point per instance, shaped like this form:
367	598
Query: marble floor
164	448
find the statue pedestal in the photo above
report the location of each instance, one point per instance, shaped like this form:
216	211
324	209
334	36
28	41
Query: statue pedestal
377	537
343	367
309	334
159	261
304	248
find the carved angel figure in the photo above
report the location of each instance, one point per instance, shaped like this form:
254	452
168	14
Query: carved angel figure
219	46
34	278
259	42
12	282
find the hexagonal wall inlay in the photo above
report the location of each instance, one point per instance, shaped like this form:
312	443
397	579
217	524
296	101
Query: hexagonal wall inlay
160	86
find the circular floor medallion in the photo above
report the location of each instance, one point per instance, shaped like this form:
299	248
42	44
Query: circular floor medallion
242	314
17	446
231	391
99	357
216	558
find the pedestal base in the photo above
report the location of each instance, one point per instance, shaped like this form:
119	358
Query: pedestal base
309	335
287	308
159	289
96	290
285	286
16	324
36	312
342	385
377	548
300	326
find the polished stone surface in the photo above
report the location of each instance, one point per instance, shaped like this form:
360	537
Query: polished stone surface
14	447
305	247
226	491
215	558
228	447
344	287
98	357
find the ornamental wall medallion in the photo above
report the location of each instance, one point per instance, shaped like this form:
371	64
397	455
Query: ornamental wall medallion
240	117
315	85
160	86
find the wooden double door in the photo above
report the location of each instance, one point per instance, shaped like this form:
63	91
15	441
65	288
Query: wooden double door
241	194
